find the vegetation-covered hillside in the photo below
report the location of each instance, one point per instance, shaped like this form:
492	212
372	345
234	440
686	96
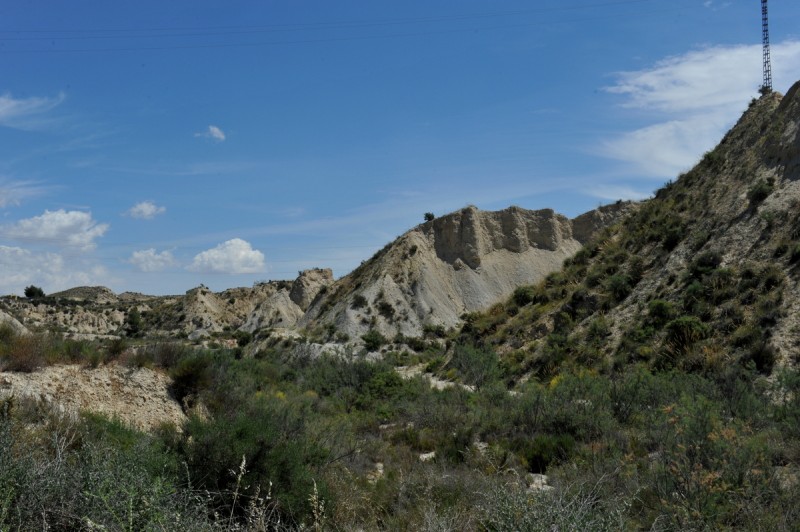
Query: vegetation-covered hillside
702	278
651	384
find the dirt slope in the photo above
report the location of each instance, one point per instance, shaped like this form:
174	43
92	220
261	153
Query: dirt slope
139	397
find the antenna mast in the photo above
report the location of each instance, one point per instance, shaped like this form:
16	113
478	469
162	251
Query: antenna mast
766	88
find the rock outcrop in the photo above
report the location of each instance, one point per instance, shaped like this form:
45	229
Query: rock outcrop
10	321
308	284
138	396
706	273
462	262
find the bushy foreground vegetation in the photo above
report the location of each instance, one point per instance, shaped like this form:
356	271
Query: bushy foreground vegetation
286	442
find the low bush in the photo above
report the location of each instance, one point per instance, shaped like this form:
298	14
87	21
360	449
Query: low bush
524	295
759	192
619	286
685	331
660	311
359	301
23	353
476	366
373	340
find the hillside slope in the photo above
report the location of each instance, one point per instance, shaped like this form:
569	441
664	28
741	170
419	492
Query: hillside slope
703	276
459	263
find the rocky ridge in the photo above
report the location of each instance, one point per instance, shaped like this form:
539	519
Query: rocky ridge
704	274
460	263
429	277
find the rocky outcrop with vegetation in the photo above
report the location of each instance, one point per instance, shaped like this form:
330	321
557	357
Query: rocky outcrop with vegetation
703	276
459	263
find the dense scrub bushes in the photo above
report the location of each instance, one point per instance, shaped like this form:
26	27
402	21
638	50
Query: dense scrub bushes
633	449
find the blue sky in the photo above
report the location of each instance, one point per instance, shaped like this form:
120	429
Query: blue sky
153	146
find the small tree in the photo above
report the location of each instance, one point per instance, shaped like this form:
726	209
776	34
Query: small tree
33	292
133	322
429	216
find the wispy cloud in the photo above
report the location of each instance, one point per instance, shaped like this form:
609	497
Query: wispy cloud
13	192
235	256
694	97
716	6
26	113
212	132
145	210
61	228
149	260
616	192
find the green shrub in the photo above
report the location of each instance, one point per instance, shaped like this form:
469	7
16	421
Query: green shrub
598	329
524	295
705	263
794	257
268	438
543	450
771	277
476	366
386	309
660	311
685	331
115	348
191	374
23	353
242	338
359	301
373	340
619	286
759	191
437	331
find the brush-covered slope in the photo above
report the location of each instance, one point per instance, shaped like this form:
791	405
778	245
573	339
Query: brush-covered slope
703	276
462	262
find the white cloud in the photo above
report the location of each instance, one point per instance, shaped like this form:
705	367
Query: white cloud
616	192
213	133
22	267
62	228
233	256
145	210
695	97
148	260
24	113
13	192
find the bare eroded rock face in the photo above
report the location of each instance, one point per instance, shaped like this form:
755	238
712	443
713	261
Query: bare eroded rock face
470	234
137	396
10	321
462	262
308	284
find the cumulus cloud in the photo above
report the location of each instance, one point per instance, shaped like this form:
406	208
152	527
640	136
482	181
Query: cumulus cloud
233	256
22	267
63	228
213	133
695	98
148	260
25	113
145	210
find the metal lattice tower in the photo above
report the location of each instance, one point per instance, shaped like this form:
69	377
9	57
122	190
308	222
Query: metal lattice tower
766	88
